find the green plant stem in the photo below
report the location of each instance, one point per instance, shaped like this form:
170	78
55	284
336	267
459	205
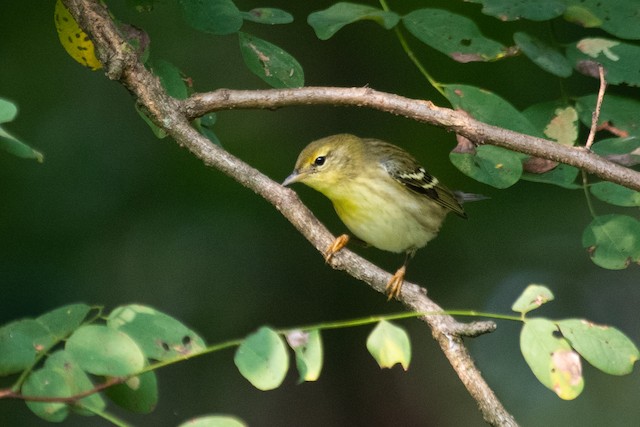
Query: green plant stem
407	49
483	314
338	324
208	350
374	319
551	30
109	417
236	342
587	194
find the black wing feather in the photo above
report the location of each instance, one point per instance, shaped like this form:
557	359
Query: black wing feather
402	167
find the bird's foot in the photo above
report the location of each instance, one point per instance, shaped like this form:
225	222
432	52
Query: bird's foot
335	247
394	286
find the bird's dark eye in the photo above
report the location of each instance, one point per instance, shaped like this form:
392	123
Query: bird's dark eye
319	161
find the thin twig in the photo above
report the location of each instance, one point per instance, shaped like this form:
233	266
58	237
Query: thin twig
109	382
595	116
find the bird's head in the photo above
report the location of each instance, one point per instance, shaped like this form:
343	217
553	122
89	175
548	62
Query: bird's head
325	163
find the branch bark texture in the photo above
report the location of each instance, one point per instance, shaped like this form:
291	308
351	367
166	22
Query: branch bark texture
421	111
174	116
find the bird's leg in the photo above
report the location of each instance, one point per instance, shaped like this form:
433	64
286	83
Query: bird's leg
394	285
339	243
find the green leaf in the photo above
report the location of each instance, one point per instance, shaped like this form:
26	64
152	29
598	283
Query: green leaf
77	381
454	35
621	61
18	148
551	359
613	241
20	343
171	78
543	55
157	131
138	394
489	108
101	350
159	336
616	146
604	347
269	62
617	17
9	143
511	10
64	320
542	113
214	421
268	15
8	111
205	124
219	17
47	383
308	349
615	194
329	21
532	297
562	175
61	377
581	16
624	151
389	344
621	113
559	121
491	165
262	359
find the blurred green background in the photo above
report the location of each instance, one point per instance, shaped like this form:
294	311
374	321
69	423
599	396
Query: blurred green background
115	216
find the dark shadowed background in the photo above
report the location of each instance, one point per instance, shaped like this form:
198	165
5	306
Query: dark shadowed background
115	216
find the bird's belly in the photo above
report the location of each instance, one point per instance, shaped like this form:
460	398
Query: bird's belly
395	224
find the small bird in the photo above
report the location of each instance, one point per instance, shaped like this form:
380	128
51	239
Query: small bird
380	192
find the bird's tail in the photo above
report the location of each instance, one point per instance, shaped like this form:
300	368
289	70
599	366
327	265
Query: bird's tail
463	197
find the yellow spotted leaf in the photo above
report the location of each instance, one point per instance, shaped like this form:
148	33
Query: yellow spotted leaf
75	41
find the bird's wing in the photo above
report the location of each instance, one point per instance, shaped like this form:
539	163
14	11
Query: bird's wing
406	170
421	182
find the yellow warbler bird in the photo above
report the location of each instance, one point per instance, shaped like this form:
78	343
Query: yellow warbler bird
380	192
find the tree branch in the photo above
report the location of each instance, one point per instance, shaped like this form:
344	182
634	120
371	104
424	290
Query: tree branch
418	110
173	116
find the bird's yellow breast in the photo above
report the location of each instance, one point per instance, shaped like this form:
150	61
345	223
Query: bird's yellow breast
388	217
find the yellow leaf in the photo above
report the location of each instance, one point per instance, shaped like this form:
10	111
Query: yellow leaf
389	344
75	41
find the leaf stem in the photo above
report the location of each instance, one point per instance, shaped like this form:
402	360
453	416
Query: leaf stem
587	194
374	319
338	324
472	313
407	49
108	417
208	350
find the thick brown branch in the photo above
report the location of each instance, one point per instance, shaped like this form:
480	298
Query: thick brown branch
168	113
418	110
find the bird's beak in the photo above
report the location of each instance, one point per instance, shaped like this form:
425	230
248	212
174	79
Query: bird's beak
294	177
